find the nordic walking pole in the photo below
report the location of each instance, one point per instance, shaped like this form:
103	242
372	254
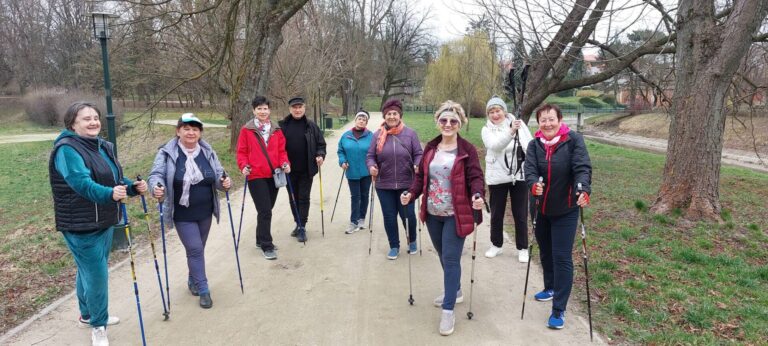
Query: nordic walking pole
296	207
530	249
370	215
234	242
165	254
476	215
343	173
242	208
408	252
154	253
584	255
418	205
322	212
133	271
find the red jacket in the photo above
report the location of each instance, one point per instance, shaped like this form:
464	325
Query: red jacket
466	180
249	150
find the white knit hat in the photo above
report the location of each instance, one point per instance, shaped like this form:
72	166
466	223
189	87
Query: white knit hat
496	101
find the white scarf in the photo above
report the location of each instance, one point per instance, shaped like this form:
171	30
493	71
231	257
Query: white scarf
192	174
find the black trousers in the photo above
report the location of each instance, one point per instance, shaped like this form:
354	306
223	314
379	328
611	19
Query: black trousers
498	203
302	187
264	194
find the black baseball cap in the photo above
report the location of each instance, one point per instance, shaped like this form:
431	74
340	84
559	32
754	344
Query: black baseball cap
298	100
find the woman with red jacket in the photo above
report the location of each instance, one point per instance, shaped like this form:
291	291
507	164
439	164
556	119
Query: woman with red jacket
258	136
559	156
450	175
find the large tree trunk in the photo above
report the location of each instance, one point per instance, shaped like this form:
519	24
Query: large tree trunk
707	57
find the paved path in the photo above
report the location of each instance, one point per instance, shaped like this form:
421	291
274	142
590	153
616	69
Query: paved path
329	292
746	159
30	137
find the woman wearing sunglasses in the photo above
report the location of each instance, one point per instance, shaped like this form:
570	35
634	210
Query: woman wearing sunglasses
450	176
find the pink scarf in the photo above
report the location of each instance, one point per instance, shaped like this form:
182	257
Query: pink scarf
551	144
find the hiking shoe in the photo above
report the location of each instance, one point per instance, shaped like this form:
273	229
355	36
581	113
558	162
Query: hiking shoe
205	301
447	321
360	224
301	235
439	300
352	228
544	296
86	322
295	232
274	247
522	256
192	287
393	252
99	336
493	251
270	254
556	320
412	249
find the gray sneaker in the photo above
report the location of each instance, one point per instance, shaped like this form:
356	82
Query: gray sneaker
439	300
352	228
360	224
447	321
270	254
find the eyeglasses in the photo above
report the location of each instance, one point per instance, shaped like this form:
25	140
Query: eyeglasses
444	121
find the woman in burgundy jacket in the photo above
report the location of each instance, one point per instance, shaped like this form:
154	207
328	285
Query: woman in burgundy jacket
450	175
261	131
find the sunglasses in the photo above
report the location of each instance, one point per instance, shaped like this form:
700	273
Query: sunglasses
444	121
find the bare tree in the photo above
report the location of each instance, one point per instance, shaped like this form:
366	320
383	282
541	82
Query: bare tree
710	48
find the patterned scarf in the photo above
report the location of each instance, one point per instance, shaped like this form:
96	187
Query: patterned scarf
192	174
385	131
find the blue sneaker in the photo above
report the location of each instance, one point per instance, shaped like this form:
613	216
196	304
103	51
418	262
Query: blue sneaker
301	235
412	248
393	252
556	320
544	296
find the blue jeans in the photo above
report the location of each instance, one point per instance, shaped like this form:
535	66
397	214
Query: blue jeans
555	235
91	253
194	235
360	191
390	208
442	230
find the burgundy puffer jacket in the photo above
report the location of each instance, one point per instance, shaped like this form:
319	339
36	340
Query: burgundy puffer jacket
466	180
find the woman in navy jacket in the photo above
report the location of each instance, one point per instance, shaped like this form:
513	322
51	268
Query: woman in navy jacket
559	156
353	148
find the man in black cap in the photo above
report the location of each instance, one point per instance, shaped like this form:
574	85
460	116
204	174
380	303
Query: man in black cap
306	151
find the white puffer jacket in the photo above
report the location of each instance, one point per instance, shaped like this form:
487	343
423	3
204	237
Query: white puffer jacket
499	143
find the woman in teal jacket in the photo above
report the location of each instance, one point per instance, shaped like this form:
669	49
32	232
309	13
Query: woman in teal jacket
87	186
353	147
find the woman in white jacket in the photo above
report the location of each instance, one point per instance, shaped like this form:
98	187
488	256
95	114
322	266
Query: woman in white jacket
506	140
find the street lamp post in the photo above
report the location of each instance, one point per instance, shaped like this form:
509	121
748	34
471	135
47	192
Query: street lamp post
102	32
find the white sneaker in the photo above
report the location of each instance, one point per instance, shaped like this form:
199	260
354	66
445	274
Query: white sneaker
522	256
99	336
439	300
493	251
83	323
360	224
352	228
447	321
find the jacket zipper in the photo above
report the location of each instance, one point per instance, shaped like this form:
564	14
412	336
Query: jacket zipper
549	182
394	155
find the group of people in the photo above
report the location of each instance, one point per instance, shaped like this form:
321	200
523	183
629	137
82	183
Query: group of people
88	186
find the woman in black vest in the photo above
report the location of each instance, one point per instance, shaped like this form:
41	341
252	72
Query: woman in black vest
88	183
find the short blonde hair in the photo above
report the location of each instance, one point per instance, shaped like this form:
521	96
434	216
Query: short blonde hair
452	107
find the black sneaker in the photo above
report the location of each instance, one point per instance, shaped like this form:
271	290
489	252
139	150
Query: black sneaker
192	288
295	232
301	235
205	301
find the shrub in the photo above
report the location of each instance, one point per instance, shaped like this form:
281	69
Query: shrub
609	99
565	93
588	93
47	106
590	102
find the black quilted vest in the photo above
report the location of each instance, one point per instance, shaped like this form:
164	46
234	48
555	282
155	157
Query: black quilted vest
73	212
